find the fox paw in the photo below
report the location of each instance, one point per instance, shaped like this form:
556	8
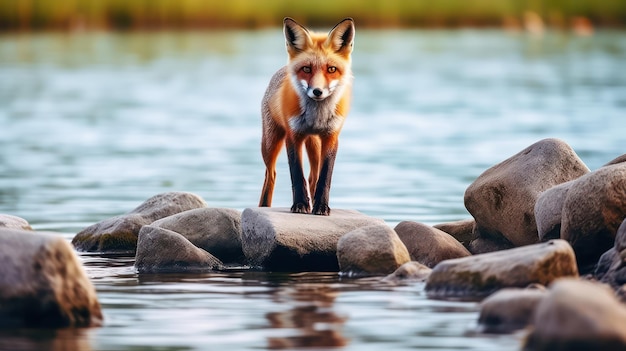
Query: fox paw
322	210
300	208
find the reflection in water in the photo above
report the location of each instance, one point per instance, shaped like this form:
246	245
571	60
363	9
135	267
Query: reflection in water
312	317
45	339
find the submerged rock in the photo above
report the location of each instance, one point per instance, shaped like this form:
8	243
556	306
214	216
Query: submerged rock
163	251
280	240
215	230
13	222
480	275
429	245
509	310
119	234
502	199
43	284
371	250
578	315
409	272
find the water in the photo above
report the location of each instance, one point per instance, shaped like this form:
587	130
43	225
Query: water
93	124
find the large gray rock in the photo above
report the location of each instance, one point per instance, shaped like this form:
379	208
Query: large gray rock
480	275
280	240
462	231
429	245
502	199
119	234
13	222
594	208
163	251
43	283
371	250
215	230
509	310
578	315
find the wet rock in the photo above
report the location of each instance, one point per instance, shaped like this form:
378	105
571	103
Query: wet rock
611	267
409	272
215	230
280	240
163	251
509	310
502	199
429	245
549	209
462	231
578	315
13	222
43	284
371	250
480	275
119	234
594	208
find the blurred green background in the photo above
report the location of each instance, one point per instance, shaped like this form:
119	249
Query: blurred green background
17	15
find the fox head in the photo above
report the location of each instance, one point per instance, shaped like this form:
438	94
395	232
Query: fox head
319	64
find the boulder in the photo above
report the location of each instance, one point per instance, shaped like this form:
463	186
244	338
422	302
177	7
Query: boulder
502	199
578	315
279	240
119	234
462	231
215	230
371	250
549	209
429	245
163	251
594	208
13	222
509	310
481	275
409	272
43	284
618	159
611	267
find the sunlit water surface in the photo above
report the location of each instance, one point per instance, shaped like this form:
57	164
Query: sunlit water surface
93	124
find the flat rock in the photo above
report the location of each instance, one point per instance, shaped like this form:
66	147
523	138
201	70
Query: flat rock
594	208
509	310
163	251
481	275
43	284
13	222
371	250
119	234
215	230
279	240
502	199
578	315
429	245
408	273
462	231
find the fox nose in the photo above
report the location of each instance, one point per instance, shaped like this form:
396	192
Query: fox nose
317	92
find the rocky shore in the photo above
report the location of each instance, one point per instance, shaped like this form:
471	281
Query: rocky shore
546	244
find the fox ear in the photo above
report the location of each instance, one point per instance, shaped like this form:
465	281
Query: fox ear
341	37
296	35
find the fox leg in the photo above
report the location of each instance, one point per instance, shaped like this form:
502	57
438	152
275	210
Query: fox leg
330	144
298	183
273	140
313	149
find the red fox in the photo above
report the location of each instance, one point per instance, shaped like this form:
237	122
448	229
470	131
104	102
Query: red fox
306	103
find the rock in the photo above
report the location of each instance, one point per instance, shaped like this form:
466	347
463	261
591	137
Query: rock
409	272
462	231
215	230
163	251
578	315
119	234
549	209
509	310
617	160
13	222
594	208
611	267
280	240
502	199
371	250
43	284
480	275
429	245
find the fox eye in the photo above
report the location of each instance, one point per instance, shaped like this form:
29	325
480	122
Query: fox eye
331	69
306	69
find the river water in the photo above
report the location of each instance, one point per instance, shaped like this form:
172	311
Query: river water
92	124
